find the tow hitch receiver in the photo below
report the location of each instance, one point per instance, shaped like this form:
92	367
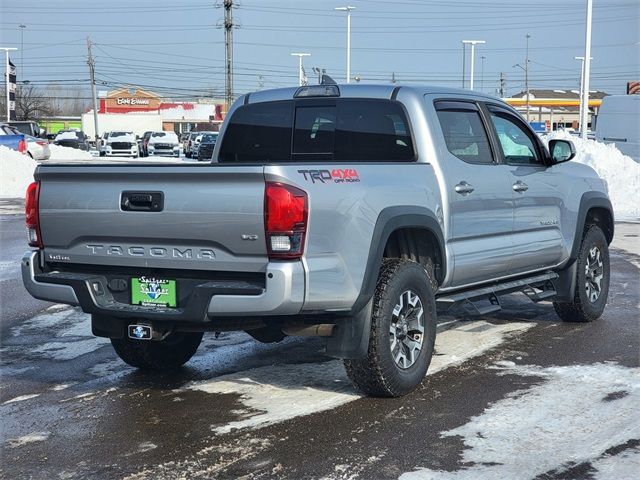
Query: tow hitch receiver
140	332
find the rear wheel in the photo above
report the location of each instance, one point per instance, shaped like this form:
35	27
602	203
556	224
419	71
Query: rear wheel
403	331
172	352
592	280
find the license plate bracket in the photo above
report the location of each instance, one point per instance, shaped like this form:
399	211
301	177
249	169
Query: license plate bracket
150	291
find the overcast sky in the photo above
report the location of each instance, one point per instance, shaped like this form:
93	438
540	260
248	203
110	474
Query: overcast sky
176	48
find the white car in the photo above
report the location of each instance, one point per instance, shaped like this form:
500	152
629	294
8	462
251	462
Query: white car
37	148
164	143
121	144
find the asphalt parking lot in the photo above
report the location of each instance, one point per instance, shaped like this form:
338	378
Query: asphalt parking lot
517	394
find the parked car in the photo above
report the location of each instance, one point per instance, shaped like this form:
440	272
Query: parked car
164	143
617	123
73	139
12	138
195	144
207	144
38	148
28	127
144	142
188	142
121	144
342	212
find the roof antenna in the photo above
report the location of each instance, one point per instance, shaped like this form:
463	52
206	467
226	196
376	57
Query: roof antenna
327	80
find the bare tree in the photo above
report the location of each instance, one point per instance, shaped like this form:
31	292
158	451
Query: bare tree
31	104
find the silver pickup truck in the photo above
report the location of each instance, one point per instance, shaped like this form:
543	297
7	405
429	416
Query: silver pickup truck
349	212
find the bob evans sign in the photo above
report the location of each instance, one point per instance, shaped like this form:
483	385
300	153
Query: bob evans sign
132	101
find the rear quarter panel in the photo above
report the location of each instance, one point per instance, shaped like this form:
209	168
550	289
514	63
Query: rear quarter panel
342	218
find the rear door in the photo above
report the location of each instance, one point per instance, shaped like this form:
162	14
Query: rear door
481	204
537	193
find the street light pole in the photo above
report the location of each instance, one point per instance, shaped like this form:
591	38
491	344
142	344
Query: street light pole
348	10
587	70
6	63
473	44
22	26
526	76
300	70
482	73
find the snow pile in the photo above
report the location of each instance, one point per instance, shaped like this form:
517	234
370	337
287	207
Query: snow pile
17	168
59	153
621	172
17	173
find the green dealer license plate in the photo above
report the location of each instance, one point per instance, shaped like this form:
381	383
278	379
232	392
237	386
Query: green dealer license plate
153	292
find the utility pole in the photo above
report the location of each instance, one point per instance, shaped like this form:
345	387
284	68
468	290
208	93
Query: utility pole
482	73
302	78
92	76
584	119
348	10
228	43
393	77
503	85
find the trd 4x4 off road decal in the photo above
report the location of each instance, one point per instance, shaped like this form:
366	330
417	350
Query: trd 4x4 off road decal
337	175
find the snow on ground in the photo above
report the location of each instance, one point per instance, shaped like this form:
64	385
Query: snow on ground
17	169
277	393
621	172
573	416
72	337
25	439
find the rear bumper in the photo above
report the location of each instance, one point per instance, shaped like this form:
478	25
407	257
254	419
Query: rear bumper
283	294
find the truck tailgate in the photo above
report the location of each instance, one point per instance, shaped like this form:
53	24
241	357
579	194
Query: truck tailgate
211	217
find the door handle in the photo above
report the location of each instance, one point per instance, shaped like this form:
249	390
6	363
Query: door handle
464	188
520	187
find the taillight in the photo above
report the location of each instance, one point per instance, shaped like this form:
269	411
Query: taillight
22	146
285	220
32	214
42	143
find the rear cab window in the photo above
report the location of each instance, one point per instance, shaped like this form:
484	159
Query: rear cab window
310	130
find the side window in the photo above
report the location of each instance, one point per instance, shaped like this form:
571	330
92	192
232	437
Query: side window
465	135
372	131
517	145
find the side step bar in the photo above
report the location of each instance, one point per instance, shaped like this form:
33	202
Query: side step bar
537	288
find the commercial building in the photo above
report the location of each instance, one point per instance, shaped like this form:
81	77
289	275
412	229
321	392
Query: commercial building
556	108
135	107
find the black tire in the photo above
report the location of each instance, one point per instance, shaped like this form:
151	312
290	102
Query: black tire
188	155
172	352
583	308
378	374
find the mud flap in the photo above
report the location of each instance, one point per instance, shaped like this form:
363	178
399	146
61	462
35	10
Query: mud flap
350	339
565	284
108	327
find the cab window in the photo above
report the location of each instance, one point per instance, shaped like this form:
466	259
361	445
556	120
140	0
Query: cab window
465	135
517	145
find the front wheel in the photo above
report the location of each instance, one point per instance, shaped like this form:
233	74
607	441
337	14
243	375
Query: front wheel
403	331
172	352
592	280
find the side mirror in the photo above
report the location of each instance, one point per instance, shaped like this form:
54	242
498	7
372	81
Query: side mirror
561	151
